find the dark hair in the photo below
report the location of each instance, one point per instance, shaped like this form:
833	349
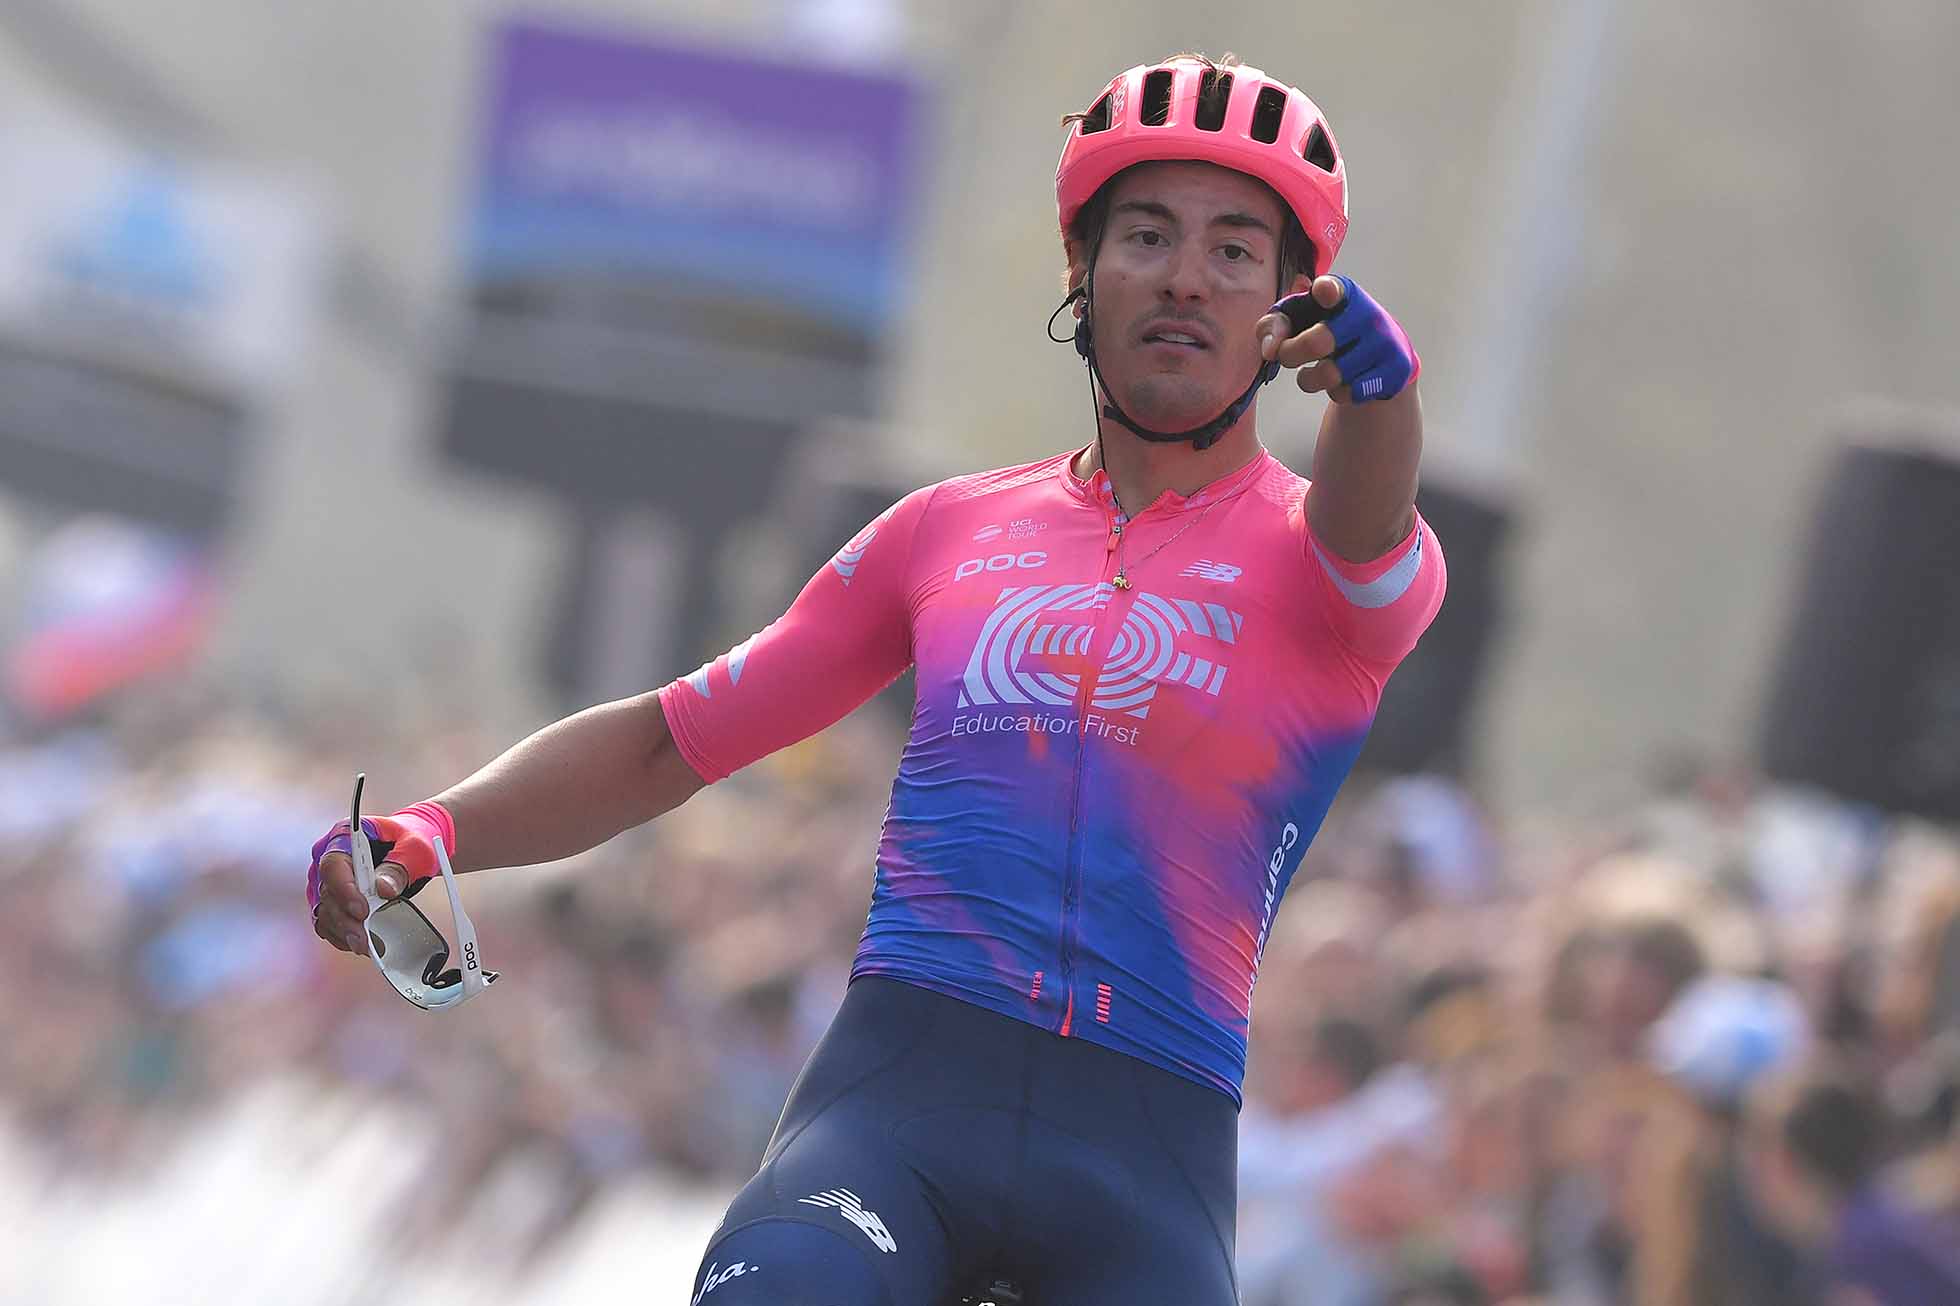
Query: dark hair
1296	251
1350	1047
1444	981
1669	947
1835	1127
1211	97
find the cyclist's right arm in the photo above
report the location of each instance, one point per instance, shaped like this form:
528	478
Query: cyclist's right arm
571	786
580	781
847	636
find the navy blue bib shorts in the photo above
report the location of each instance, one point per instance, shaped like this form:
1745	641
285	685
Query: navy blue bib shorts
931	1145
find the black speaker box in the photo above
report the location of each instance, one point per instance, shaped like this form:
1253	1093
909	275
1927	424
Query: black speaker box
1865	694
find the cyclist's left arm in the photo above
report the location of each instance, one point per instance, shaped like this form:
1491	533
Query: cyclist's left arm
1362	501
1379	566
1375	560
847	636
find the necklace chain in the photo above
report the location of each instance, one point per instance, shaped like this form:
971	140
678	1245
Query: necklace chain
1122	581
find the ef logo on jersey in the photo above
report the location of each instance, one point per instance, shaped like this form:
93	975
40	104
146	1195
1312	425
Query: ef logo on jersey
1031	648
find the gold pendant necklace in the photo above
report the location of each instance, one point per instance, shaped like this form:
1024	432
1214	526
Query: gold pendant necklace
1122	581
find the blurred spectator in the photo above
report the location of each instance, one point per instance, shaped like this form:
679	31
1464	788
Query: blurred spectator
1723	1033
1700	1238
1434	846
1640	968
1328	1105
1452	1012
1926	1091
1817	1142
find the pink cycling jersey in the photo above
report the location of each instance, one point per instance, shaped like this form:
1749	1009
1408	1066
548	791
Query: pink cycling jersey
1107	787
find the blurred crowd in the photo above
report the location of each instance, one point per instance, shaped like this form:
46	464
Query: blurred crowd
1703	1046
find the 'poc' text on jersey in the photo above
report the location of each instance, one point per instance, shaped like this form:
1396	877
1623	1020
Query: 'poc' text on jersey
1107	787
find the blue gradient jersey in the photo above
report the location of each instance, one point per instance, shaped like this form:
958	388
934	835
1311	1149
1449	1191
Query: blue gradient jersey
1107	787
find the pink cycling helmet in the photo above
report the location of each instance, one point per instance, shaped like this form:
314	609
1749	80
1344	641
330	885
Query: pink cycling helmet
1267	129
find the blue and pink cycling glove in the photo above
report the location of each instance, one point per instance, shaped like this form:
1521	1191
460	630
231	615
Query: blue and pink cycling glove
406	838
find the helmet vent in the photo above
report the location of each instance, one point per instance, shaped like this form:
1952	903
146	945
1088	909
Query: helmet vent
1267	113
1156	98
1097	119
1214	93
1319	150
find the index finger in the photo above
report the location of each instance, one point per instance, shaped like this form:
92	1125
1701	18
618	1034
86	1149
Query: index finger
337	882
1294	318
1310	346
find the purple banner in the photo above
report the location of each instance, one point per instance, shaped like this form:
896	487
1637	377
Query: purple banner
699	171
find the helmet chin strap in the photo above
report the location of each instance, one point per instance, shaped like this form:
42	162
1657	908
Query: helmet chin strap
1201	437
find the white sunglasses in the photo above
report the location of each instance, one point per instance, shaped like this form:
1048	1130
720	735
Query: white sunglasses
407	948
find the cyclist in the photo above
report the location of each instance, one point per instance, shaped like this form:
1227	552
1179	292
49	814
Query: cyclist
1143	669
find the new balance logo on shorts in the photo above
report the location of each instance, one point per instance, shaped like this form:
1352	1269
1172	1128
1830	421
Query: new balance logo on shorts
847	1203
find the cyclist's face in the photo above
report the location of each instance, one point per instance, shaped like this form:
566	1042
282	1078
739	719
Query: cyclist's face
1188	264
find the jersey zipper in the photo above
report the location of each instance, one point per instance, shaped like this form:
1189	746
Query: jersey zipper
1072	872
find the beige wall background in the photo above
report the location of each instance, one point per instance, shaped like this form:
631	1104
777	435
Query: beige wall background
1757	197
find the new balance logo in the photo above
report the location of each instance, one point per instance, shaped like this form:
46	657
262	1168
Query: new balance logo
1206	569
847	1204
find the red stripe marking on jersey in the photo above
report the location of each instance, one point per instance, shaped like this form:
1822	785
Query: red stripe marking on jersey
1102	1003
1068	1015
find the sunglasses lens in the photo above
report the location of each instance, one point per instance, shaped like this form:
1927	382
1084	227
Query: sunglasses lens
413	954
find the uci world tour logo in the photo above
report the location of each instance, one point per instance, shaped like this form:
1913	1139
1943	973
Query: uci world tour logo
1030	652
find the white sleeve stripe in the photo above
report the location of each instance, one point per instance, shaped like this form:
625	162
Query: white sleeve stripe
1385	588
